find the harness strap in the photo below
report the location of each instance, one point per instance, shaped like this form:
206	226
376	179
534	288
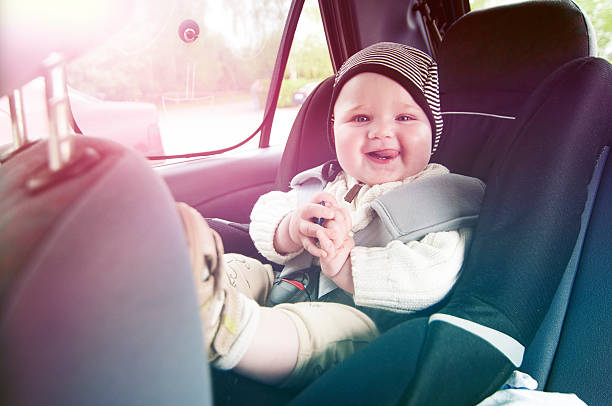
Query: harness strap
433	204
413	210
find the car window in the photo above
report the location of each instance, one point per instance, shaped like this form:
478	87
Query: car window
598	11
187	76
190	76
309	63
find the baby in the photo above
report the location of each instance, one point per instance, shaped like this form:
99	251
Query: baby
384	125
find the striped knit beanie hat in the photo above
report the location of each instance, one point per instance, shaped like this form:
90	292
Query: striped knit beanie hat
410	67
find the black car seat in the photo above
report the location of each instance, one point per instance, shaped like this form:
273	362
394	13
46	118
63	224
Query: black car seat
534	211
483	95
307	145
97	302
491	62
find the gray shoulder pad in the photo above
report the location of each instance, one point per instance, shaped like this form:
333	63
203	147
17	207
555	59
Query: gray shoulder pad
308	176
438	203
308	183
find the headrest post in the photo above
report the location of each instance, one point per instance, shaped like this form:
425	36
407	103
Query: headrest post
18	125
58	112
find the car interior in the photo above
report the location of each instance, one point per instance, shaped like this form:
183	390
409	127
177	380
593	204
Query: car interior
97	304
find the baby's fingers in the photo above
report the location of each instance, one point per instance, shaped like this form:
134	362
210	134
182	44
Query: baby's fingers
326	197
308	228
310	246
325	243
348	245
335	234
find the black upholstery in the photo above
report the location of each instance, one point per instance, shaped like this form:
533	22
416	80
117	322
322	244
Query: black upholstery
583	362
307	144
97	304
489	62
508	50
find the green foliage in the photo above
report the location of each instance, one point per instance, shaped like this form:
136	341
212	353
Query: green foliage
600	14
309	59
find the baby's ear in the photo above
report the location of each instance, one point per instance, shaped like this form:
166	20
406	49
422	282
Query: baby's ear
332	136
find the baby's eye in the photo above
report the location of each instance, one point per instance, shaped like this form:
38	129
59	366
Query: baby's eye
360	118
404	117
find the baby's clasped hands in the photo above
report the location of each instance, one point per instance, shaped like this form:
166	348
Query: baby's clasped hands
307	225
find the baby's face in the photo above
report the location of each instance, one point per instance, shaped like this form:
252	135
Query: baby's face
381	134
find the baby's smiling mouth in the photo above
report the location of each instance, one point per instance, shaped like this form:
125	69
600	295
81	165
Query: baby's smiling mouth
383	154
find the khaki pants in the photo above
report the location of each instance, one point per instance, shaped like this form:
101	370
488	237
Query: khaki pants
327	332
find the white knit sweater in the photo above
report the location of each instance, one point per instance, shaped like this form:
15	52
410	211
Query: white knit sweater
399	277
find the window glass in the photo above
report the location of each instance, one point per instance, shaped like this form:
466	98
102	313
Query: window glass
598	11
166	95
182	76
186	76
309	63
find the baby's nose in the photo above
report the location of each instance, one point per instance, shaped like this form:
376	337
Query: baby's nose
381	129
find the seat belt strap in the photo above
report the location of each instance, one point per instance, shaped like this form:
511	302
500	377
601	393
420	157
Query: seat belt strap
413	210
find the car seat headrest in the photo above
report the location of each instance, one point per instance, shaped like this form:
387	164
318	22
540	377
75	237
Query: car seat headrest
510	49
97	303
